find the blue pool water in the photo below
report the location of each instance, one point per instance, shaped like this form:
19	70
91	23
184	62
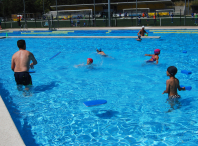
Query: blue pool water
136	112
75	33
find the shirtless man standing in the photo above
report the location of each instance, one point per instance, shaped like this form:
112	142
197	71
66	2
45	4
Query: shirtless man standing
141	33
21	64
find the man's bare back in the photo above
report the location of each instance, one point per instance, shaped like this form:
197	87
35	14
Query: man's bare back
172	84
21	61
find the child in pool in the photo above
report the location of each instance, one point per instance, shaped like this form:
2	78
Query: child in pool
99	51
155	56
172	84
89	62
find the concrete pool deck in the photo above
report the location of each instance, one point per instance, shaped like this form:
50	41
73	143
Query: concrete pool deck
9	135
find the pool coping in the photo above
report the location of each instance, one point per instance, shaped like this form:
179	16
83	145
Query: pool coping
145	37
9	135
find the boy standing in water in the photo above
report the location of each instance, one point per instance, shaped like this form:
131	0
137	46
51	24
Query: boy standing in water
172	84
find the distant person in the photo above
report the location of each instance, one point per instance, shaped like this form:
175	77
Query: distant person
154	18
119	14
172	18
20	65
84	24
141	33
147	15
0	24
192	16
143	14
99	51
155	56
139	20
19	22
78	21
196	18
125	14
172	84
72	22
89	62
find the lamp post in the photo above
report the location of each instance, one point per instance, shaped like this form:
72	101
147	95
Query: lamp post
94	14
56	11
136	13
24	13
109	12
188	7
43	8
185	14
3	7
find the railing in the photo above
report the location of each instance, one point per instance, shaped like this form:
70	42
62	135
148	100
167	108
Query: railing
100	22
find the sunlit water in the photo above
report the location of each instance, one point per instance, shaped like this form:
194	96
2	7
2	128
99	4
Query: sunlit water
136	112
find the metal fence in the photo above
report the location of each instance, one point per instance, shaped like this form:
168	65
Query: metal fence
100	22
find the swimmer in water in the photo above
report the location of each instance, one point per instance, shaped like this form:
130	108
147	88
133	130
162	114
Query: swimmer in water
172	85
99	51
155	57
141	33
89	62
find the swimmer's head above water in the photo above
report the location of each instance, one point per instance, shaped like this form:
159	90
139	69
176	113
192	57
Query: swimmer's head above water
89	61
98	49
171	71
157	51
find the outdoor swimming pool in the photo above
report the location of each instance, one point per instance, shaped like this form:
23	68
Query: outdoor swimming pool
136	112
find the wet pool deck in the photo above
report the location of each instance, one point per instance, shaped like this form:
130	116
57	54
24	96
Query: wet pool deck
9	135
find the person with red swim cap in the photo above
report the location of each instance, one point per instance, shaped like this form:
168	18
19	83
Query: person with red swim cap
155	56
89	61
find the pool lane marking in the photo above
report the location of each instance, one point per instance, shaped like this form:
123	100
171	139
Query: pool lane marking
175	32
108	31
145	37
172	30
53	32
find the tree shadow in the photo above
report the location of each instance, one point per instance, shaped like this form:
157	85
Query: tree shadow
24	130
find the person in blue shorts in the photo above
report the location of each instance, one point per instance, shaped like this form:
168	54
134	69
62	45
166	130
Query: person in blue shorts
172	18
192	15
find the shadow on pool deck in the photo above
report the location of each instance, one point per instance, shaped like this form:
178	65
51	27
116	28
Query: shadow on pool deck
24	130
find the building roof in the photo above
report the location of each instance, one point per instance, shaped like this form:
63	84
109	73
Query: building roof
115	3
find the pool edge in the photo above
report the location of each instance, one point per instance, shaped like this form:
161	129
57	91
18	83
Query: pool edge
9	134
